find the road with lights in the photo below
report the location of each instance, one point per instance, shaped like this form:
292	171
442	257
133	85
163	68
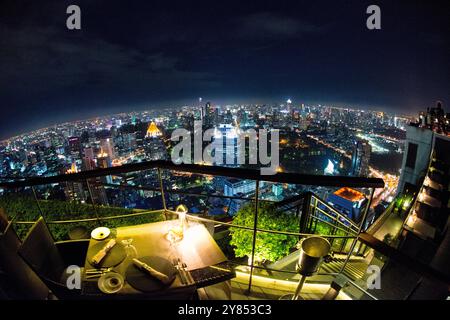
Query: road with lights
390	180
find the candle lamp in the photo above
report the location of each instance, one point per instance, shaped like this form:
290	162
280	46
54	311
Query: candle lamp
176	232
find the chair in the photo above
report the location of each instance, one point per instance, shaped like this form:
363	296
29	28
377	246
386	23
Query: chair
42	254
17	279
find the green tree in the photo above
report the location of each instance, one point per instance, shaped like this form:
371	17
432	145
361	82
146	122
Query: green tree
268	246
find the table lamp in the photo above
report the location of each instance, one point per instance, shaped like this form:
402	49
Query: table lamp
182	211
176	232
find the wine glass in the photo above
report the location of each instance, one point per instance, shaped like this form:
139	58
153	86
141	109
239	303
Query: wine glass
130	250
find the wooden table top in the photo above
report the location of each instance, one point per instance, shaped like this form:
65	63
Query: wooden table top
197	249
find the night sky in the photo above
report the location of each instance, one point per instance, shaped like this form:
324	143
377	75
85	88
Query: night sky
135	55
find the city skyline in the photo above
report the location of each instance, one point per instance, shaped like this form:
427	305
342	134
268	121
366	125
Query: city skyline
404	115
153	55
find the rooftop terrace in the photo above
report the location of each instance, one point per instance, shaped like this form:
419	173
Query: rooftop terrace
236	274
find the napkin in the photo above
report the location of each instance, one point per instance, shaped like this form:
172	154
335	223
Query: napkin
158	275
103	252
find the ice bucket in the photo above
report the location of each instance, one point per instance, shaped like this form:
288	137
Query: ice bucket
312	252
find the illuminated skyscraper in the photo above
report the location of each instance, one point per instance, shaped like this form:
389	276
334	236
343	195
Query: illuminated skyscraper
155	148
226	141
348	201
74	190
208	116
108	147
104	161
361	158
74	145
126	143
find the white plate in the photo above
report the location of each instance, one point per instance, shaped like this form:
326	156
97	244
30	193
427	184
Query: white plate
100	233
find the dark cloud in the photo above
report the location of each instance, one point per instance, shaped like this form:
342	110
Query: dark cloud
147	53
266	25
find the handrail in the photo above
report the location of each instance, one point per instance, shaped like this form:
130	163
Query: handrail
334	226
381	219
336	219
239	173
283	202
263	230
186	193
340	215
189	216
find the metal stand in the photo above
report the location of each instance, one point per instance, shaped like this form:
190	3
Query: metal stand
301	282
312	252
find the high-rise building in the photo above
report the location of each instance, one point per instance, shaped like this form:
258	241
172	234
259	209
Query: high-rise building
233	187
420	138
228	117
74	145
74	190
361	158
435	119
227	149
88	159
348	201
208	116
104	161
126	143
89	153
154	147
88	164
423	190
107	145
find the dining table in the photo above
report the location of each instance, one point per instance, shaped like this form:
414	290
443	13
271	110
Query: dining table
197	250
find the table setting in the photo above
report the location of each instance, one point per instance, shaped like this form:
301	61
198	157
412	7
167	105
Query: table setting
153	260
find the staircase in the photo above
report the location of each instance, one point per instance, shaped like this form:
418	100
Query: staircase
355	268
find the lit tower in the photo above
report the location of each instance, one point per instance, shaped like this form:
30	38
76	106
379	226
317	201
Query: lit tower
74	190
154	147
104	161
108	147
153	131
